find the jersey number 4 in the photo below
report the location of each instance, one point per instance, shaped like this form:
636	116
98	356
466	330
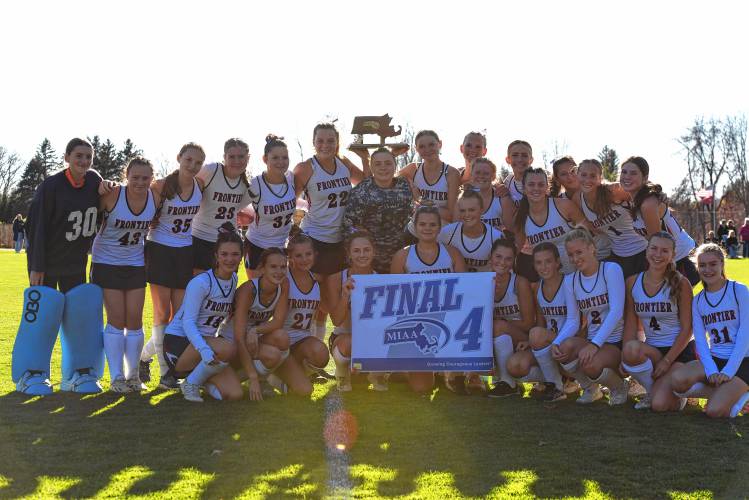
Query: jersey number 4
83	224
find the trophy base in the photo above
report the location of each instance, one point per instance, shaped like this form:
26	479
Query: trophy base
396	145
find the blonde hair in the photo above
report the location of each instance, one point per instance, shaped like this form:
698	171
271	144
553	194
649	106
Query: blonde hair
711	248
672	276
580	233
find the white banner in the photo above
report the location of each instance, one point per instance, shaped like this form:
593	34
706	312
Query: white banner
422	322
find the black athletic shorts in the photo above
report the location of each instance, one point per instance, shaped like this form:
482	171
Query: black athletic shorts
64	283
742	372
167	266
203	254
631	265
118	277
618	345
687	268
687	355
252	255
524	267
174	346
329	257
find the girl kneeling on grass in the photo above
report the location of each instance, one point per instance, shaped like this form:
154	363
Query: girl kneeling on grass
513	316
597	290
659	302
538	364
191	348
720	313
360	251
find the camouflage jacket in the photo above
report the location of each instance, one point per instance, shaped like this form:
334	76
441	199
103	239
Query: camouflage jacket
382	212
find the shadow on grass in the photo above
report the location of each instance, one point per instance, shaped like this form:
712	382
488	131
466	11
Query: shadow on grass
158	444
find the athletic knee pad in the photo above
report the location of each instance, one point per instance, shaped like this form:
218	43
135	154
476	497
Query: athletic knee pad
81	339
32	350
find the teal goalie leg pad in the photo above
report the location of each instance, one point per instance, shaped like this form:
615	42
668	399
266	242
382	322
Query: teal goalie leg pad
81	339
37	333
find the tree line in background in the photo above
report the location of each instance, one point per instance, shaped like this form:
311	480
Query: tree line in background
714	150
16	192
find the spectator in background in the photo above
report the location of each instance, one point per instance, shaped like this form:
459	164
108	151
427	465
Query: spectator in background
18	232
722	232
732	244
711	238
744	234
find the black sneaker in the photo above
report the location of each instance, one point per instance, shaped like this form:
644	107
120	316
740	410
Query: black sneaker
457	385
323	374
168	382
551	394
144	371
502	390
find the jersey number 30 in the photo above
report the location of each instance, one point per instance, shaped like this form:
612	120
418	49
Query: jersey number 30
83	224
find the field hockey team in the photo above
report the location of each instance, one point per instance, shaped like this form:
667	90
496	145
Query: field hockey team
593	291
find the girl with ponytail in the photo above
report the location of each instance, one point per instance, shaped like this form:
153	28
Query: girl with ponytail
658	302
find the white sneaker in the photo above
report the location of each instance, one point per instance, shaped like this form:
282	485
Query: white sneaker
120	385
619	395
191	392
379	382
276	382
344	383
644	403
591	394
136	385
571	387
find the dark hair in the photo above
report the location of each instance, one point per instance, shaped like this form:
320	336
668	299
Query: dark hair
227	233
556	187
673	278
648	189
267	253
359	233
547	246
299	239
273	141
171	181
137	160
523	206
603	196
426	133
506	243
519	142
426	209
475	134
75	142
327	126
469	194
382	150
237	142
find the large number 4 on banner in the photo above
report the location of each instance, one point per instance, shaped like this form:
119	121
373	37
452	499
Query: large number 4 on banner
470	330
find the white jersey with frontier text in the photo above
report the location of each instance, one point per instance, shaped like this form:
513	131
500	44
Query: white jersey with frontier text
327	195
554	309
717	316
553	229
493	213
592	294
175	219
617	224
435	192
475	251
121	237
222	199
507	306
442	264
659	314
274	206
302	308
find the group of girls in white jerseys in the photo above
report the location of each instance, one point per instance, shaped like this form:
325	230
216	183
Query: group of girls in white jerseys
593	280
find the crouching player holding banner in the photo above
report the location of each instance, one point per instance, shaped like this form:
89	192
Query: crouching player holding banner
191	348
60	227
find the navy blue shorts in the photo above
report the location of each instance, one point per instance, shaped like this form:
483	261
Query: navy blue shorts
742	372
687	355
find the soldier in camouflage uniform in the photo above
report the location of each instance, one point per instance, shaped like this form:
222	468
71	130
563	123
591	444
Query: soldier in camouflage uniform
382	205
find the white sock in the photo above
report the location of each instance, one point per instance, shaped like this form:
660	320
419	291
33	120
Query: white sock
318	330
698	390
609	378
133	348
204	371
549	367
213	391
739	405
573	368
261	369
114	348
643	373
502	352
534	375
342	363
148	350
157	337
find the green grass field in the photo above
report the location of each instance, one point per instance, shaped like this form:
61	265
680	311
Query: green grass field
399	445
